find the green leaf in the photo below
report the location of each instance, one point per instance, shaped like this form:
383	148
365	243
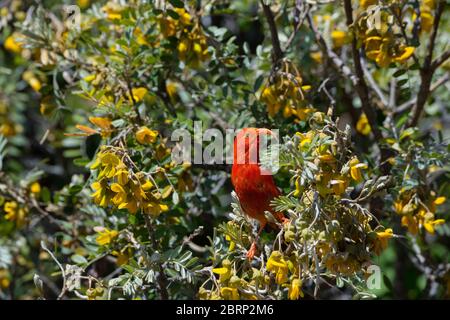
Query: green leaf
408	132
78	259
177	3
73	190
173	14
258	83
339	282
81	162
399	73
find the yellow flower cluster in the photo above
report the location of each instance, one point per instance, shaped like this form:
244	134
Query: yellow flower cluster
331	172
333	176
106	236
363	126
119	186
285	92
192	42
16	213
233	287
379	41
417	213
426	15
146	136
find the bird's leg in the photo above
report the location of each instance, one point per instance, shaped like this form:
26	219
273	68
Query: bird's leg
252	251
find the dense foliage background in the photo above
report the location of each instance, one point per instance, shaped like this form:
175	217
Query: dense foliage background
93	207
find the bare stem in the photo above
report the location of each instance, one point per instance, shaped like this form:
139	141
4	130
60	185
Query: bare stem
277	52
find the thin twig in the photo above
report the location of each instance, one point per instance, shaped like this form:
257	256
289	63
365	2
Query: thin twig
407	105
63	289
440	60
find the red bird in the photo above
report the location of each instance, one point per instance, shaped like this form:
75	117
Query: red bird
254	187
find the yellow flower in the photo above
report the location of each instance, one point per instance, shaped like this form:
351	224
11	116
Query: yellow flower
232	243
106	236
338	186
440	200
11	43
171	88
295	289
229	293
131	206
10	208
154	209
140	37
35	188
278	266
7	129
363	126
382	240
339	38
305	139
123	256
138	94
298	187
426	18
224	272
122	176
83	4
184	16
167	26
367	3
405	54
411	223
104	124
146	136
15	213
121	195
316	56
32	80
110	162
355	169
113	10
430	224
100	195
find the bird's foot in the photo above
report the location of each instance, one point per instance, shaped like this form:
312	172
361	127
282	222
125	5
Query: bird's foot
251	252
285	221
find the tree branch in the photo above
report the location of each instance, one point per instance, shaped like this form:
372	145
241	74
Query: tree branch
426	72
361	86
440	60
277	52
